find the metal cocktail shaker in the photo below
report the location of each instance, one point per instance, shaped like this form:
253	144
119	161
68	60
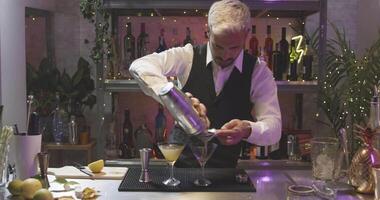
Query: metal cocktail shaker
181	108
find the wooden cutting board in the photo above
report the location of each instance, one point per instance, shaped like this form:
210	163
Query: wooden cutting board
112	173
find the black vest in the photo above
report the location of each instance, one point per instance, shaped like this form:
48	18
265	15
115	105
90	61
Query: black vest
233	102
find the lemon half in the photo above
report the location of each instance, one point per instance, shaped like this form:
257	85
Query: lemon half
96	166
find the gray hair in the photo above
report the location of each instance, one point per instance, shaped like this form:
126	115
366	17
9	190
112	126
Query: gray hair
230	16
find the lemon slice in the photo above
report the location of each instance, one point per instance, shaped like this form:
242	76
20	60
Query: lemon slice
96	166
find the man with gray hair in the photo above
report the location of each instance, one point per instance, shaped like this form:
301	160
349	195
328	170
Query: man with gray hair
237	89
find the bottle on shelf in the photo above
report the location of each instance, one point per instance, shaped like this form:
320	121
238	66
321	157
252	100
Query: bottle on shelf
188	37
111	150
160	130
261	54
142	42
73	131
254	43
245	151
307	63
293	59
143	138
161	42
262	152
284	52
129	51
59	121
268	47
277	64
127	147
374	116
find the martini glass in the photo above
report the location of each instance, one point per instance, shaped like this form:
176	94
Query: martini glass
203	151
171	152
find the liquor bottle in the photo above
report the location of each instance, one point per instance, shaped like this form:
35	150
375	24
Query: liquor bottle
142	42
160	130
254	43
59	121
188	37
245	151
277	64
374	116
268	47
73	131
284	52
293	59
307	63
127	147
262	152
161	42
129	52
143	138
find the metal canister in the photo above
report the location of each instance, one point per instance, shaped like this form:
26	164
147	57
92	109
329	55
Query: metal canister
181	108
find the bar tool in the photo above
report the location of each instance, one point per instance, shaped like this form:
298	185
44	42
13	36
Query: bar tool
29	102
43	159
144	156
181	108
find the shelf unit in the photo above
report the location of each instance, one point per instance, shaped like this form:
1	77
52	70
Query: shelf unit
259	8
111	85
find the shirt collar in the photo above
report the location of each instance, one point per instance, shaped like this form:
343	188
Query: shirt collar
238	63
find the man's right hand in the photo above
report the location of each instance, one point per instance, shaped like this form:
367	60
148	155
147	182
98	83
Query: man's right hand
200	108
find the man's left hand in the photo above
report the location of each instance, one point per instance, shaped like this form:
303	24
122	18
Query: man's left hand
234	131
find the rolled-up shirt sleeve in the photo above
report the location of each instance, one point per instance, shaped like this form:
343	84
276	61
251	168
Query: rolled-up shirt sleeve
151	71
267	129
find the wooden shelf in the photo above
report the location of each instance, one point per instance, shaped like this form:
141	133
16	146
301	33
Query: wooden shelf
259	8
297	86
282	86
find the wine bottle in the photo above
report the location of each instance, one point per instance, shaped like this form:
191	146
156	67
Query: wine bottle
293	59
129	51
268	47
277	64
284	52
188	37
160	130
254	43
161	42
127	147
142	42
307	63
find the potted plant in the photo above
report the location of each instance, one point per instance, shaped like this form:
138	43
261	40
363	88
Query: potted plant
43	82
76	92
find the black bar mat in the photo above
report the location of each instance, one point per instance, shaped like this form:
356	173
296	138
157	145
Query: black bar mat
223	180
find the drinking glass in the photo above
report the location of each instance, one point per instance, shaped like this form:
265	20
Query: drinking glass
171	152
203	151
325	162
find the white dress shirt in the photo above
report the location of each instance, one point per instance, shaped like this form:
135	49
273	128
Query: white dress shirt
151	71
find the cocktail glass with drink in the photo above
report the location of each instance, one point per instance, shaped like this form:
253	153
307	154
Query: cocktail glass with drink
171	152
202	152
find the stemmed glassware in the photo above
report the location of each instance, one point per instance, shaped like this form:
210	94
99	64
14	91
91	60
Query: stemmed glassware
203	151
171	152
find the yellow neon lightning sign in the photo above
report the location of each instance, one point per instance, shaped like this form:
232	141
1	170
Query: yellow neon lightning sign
299	50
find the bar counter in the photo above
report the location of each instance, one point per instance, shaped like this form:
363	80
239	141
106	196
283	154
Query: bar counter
271	179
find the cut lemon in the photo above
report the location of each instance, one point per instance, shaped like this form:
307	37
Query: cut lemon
96	166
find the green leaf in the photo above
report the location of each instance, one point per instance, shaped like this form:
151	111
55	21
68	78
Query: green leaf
60	180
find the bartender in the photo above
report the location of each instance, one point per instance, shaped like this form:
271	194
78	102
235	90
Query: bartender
237	89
